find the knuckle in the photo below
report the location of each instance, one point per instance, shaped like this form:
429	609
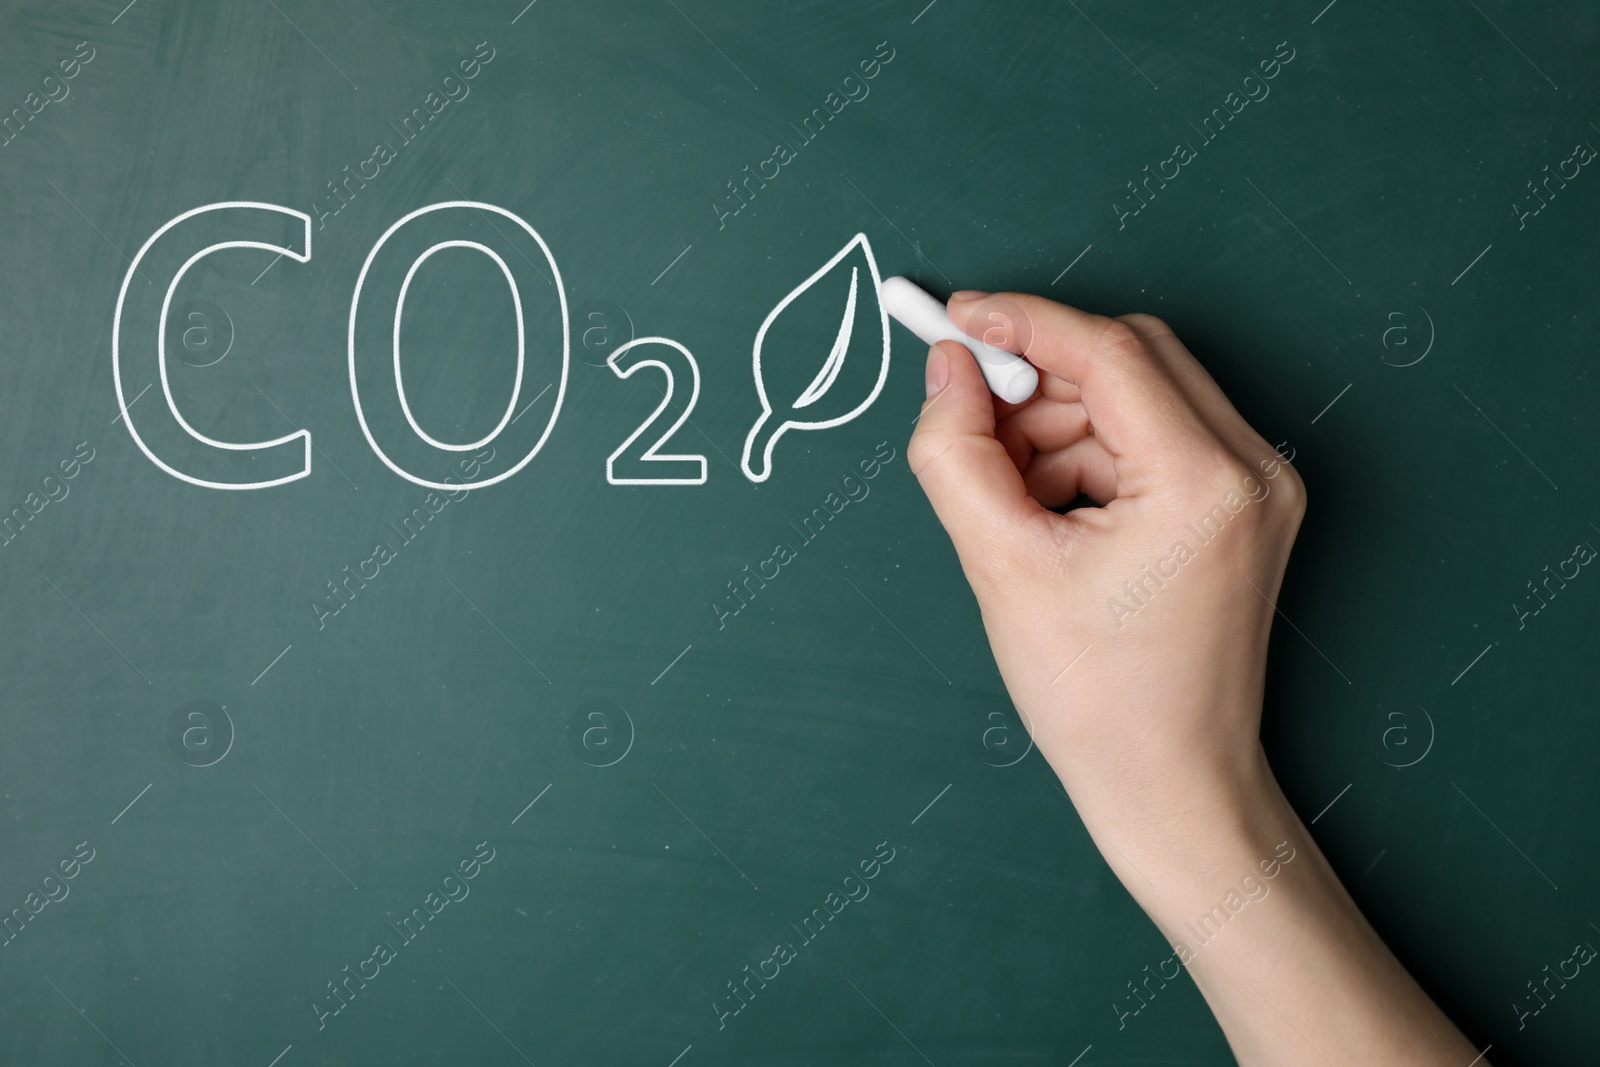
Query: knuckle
1120	339
1218	472
1146	323
1291	492
1222	488
925	449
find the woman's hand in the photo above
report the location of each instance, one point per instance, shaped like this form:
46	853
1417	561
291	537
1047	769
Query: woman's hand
1132	637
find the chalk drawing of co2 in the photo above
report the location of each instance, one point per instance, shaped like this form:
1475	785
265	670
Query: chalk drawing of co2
814	366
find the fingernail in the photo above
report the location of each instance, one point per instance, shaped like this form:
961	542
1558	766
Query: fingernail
969	294
938	369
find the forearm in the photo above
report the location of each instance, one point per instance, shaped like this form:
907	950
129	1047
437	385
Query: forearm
1293	972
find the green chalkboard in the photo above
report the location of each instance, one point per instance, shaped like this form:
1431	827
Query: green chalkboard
583	741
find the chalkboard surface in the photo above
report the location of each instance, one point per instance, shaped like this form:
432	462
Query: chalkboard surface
648	749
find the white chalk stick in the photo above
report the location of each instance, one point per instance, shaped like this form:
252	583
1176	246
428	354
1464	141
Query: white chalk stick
1010	377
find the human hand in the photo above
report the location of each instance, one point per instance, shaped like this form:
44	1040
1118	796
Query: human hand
1132	636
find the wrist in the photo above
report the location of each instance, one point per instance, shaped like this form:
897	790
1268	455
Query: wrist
1200	836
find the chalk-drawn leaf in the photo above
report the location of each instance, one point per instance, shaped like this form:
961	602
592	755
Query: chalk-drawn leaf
830	370
850	375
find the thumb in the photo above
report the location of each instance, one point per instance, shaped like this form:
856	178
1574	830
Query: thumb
969	478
